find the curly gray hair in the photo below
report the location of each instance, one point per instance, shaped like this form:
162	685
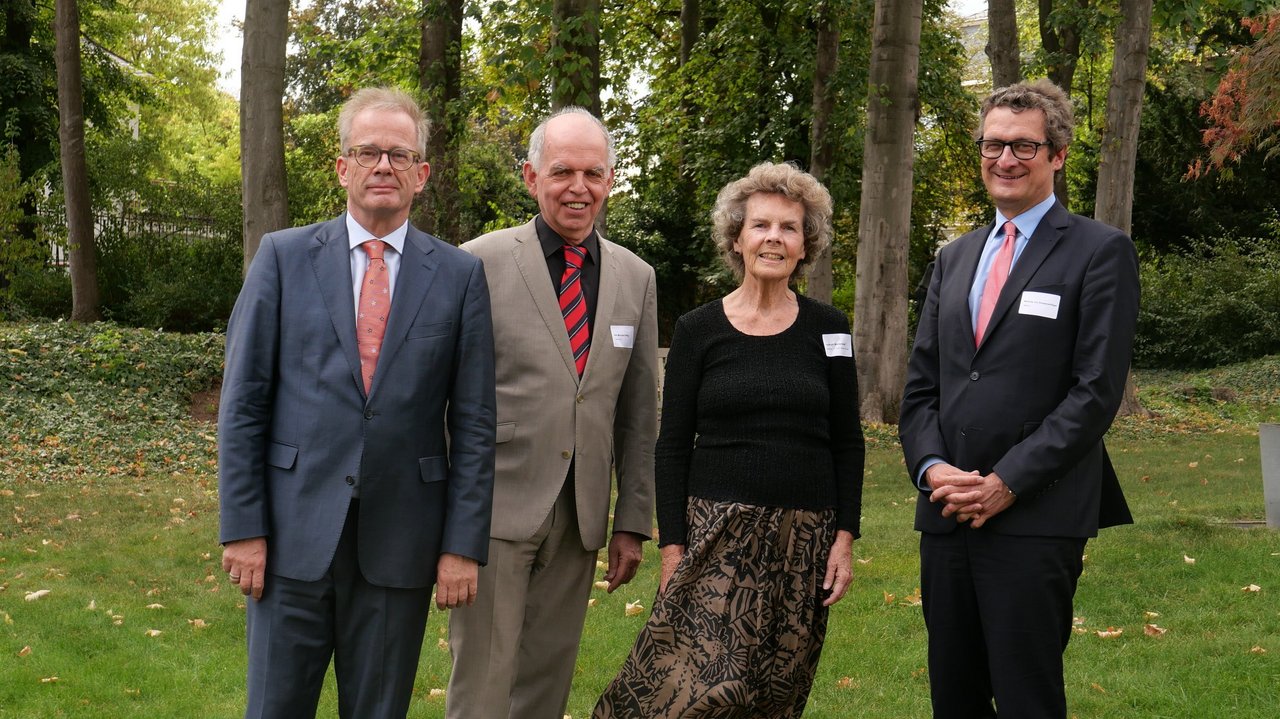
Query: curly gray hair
782	179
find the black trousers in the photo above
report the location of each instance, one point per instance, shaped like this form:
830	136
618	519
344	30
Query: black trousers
373	635
998	611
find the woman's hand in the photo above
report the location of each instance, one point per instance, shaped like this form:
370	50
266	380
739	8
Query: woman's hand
671	556
839	567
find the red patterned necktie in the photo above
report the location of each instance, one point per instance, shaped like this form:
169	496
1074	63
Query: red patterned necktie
995	281
375	306
573	305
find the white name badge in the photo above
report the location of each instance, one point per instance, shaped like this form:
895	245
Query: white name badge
623	335
1040	304
838	345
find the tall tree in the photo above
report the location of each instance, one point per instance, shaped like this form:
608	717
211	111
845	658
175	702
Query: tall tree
75	176
440	77
1002	42
1061	31
575	59
821	142
1119	148
265	192
690	20
884	221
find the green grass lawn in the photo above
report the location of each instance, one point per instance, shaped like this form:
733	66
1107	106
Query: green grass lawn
108	501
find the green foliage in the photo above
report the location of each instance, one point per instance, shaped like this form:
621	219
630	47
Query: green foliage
1217	302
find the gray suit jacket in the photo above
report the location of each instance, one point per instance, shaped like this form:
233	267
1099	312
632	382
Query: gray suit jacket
546	415
296	429
1034	401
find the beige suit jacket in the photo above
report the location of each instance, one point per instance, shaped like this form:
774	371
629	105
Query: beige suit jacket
547	415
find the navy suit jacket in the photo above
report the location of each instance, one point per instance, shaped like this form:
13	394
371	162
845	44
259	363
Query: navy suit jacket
1034	401
296	429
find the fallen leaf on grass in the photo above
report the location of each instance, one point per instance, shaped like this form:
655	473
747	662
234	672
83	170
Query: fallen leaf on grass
1193	465
436	693
912	599
844	682
1097	688
1110	632
1257	650
155	606
38	594
198	623
48	680
865	561
1251	589
442	644
25	651
1148	615
591	602
1188	560
888	598
1152	630
633	609
601	585
154	632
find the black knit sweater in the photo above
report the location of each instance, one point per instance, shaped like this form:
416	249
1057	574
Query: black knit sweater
770	421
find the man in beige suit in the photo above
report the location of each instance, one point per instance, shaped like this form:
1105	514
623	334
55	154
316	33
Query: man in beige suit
577	402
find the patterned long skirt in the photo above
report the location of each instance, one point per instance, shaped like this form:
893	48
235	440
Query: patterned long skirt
740	628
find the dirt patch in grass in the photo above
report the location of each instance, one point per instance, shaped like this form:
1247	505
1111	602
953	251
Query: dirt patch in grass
204	404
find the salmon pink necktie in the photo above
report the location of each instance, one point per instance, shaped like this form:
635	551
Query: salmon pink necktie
995	281
375	305
573	305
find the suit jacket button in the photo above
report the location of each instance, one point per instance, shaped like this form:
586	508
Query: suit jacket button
566	454
351	480
580	398
368	414
974	376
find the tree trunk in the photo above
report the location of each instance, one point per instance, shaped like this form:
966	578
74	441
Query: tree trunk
690	14
821	144
440	77
576	69
1061	44
75	175
1119	148
884	222
265	190
1002	42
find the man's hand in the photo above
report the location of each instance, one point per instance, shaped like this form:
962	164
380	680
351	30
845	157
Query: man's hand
671	556
942	475
457	578
245	562
839	568
977	502
624	556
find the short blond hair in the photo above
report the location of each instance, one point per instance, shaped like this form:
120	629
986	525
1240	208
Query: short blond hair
782	179
383	98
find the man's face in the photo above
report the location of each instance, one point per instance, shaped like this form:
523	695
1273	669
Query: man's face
1018	185
379	197
575	177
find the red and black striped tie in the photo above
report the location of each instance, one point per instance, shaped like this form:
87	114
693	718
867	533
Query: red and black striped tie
573	305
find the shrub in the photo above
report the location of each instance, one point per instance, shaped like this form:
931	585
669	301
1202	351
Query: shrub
1216	303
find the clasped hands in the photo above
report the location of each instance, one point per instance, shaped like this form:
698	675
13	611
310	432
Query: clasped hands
968	496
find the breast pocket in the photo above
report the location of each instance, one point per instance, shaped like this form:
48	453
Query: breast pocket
426	330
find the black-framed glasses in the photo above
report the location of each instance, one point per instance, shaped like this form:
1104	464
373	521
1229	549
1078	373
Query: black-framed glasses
370	155
1022	149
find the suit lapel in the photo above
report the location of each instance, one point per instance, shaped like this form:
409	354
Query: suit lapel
606	299
331	261
413	281
1038	248
527	253
957	294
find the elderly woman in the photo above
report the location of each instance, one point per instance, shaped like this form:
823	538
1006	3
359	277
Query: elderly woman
759	475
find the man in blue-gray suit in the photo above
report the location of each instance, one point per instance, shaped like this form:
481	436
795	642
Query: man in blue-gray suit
1018	369
342	501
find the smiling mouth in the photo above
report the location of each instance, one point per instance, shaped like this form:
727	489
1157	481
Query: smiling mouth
576	205
771	256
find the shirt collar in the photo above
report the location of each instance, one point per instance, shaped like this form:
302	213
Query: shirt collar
551	241
357	235
1028	221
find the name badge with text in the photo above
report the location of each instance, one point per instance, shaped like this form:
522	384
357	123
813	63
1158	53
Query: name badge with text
1040	304
838	345
623	335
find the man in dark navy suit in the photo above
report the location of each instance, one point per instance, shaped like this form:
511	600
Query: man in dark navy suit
1018	369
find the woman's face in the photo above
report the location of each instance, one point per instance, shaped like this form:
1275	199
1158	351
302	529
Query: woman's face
772	238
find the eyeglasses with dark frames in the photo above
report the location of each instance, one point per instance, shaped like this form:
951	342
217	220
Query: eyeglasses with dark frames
1022	149
370	155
